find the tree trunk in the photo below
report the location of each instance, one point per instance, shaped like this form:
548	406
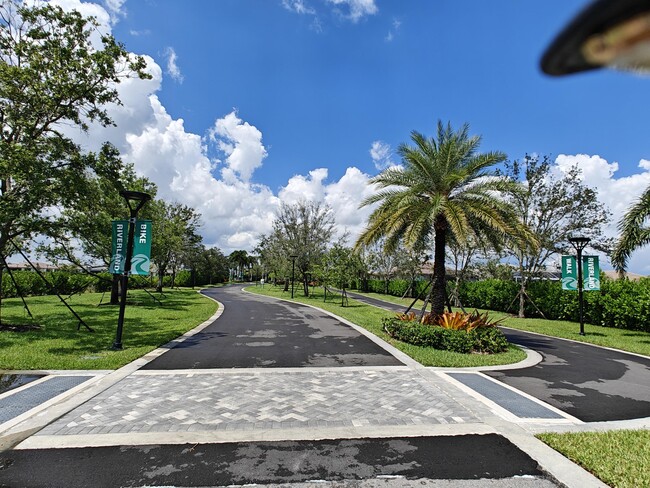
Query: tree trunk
305	285
161	275
522	298
439	288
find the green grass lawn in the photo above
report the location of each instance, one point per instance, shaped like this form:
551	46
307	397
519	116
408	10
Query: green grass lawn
370	317
619	458
59	345
626	340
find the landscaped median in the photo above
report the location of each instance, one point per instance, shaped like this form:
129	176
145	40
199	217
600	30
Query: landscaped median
57	344
371	319
626	340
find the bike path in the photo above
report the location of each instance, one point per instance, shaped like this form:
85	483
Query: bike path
588	382
260	332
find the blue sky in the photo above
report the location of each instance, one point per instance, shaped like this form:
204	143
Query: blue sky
254	102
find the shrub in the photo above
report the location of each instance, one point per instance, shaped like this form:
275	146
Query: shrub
454	332
489	340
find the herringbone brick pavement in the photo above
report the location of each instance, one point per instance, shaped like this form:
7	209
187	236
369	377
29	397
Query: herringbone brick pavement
245	401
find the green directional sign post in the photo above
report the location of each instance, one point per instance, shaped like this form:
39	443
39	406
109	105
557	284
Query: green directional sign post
590	273
569	273
141	260
118	254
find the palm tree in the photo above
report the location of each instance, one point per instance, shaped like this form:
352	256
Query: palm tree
442	190
634	231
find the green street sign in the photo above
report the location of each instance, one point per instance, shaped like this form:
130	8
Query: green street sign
141	260
141	257
118	253
569	273
590	273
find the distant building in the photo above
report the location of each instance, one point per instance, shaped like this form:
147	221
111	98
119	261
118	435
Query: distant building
26	267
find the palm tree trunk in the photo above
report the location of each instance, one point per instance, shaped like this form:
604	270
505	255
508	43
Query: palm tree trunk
439	288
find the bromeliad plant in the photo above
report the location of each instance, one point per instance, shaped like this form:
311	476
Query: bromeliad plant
452	331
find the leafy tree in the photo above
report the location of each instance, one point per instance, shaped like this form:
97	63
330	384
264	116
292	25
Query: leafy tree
443	189
634	231
175	232
242	261
339	267
554	208
52	76
382	261
303	230
273	258
213	266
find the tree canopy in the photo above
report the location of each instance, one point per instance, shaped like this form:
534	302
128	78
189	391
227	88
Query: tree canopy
443	188
52	76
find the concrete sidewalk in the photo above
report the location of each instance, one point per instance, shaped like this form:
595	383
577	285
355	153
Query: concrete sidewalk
132	407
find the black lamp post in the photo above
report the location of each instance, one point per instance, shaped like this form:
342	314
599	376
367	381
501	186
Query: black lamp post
139	199
579	243
293	270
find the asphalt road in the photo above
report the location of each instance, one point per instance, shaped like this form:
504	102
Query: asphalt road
447	457
260	332
591	383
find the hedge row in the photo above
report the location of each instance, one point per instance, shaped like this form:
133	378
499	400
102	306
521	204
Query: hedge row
396	287
620	303
67	282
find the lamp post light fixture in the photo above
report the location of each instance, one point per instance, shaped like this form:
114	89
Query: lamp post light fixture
293	270
139	199
607	33
579	243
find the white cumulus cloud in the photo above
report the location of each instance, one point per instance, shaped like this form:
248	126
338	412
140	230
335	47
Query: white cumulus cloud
235	212
240	142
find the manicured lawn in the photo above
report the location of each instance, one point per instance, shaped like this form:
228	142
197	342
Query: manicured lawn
59	345
626	340
370	317
619	458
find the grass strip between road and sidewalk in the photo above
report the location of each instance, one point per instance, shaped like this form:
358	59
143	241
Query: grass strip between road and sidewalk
370	318
59	345
619	458
626	340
